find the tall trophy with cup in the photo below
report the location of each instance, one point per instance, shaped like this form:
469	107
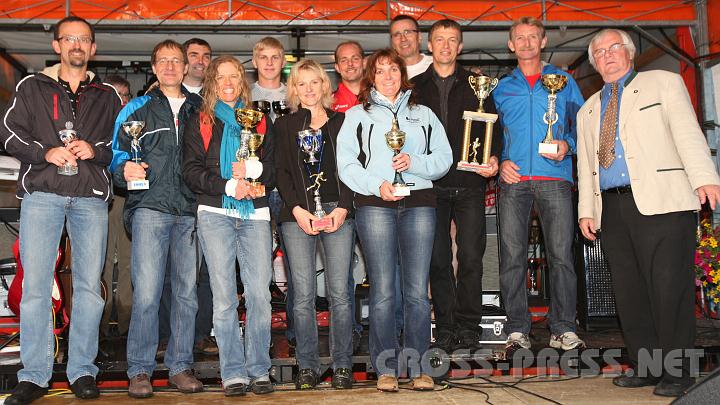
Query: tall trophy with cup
250	142
395	139
553	83
133	129
482	87
67	135
310	142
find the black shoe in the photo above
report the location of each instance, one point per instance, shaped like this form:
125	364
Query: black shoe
673	388
25	392
235	390
342	379
262	387
469	339
307	379
85	388
447	341
632	381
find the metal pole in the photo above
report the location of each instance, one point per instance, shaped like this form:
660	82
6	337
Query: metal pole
67	8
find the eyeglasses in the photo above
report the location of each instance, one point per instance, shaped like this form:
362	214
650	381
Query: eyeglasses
600	53
404	33
71	39
165	61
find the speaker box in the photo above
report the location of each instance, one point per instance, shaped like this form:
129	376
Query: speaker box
596	298
706	391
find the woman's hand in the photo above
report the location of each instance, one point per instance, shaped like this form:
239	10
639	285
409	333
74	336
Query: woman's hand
338	217
238	170
303	218
387	190
401	162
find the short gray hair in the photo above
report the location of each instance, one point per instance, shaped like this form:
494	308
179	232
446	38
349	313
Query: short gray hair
627	41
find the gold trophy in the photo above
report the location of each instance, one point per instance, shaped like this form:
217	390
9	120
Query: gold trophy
133	129
395	139
482	86
553	83
249	141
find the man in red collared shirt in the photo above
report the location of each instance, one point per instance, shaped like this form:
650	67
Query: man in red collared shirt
349	63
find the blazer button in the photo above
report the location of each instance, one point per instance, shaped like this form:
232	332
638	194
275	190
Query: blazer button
594	173
635	91
597	194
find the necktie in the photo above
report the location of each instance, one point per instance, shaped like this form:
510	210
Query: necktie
608	129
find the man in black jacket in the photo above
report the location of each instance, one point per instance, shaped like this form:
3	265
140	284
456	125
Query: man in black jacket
161	220
62	99
457	300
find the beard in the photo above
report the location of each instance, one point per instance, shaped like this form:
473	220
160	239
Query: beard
77	59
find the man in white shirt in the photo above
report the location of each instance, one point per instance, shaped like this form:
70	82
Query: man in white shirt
405	39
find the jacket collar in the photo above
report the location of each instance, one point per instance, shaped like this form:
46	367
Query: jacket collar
53	72
379	99
190	98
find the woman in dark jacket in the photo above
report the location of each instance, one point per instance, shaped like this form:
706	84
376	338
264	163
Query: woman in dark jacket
303	183
233	225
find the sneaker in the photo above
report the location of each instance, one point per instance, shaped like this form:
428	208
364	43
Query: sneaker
447	341
423	382
140	387
629	380
235	390
206	346
516	341
342	379
566	341
307	379
469	339
673	387
185	382
260	387
387	383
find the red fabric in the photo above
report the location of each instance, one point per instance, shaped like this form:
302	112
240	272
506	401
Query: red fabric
205	130
344	99
532	79
262	126
55	107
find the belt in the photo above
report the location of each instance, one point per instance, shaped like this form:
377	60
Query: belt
618	190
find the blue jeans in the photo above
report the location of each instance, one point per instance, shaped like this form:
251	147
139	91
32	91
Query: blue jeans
42	217
301	249
387	234
553	199
156	238
224	240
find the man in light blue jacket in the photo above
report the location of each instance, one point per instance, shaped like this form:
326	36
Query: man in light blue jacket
545	179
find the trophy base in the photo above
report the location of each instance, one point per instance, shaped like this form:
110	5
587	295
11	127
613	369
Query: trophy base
547	148
471	167
479	116
67	170
138	185
401	190
258	188
321	224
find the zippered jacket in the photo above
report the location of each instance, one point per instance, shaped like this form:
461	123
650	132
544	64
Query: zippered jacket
521	111
37	112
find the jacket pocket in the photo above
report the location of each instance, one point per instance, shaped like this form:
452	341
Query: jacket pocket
650	106
670	169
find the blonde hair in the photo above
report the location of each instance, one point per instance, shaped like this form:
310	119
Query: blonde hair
268	42
308	65
527	21
210	87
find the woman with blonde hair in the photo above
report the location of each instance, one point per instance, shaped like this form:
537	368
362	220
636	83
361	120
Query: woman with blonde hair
313	191
233	223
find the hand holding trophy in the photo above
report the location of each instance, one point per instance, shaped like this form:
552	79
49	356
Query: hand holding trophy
68	135
310	142
395	139
482	87
133	129
553	83
250	142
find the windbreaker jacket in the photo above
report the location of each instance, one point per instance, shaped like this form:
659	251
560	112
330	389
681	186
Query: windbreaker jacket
521	110
37	111
292	176
161	149
460	98
365	160
201	167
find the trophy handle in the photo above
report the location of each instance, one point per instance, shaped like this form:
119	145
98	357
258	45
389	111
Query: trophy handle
493	84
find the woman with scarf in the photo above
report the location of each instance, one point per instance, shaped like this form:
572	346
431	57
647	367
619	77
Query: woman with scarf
233	223
394	227
299	177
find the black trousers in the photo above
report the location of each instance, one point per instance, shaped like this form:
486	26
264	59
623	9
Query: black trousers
651	260
457	301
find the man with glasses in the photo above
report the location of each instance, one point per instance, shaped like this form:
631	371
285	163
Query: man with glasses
405	39
161	220
544	180
65	99
644	167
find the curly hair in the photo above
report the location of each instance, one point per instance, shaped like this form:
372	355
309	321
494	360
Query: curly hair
210	86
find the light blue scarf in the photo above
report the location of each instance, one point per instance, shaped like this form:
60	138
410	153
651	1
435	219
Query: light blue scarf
230	144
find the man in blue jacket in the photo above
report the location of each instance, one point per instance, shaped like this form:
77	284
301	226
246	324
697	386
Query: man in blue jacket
528	177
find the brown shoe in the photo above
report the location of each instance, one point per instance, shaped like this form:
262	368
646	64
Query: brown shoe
423	382
206	346
140	387
387	383
185	382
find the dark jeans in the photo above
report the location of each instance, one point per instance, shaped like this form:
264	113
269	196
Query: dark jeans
553	199
457	301
651	259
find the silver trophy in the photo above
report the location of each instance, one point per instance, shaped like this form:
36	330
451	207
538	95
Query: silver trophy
553	83
133	129
68	135
310	141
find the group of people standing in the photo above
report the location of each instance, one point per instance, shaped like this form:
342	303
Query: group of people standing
202	192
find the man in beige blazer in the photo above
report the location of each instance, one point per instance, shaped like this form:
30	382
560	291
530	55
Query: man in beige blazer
644	168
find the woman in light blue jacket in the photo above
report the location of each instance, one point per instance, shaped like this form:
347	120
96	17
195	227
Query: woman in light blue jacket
394	227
